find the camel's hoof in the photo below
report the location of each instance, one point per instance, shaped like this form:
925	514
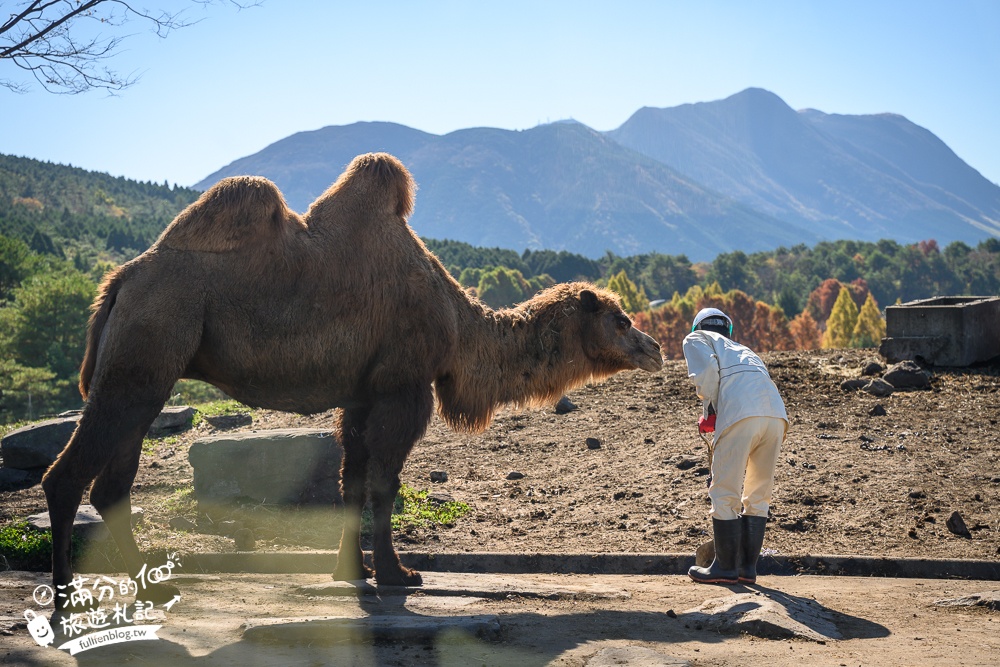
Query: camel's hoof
158	593
401	577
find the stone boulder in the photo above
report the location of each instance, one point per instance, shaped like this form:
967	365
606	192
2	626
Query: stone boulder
87	524
173	419
853	384
872	368
879	388
907	375
297	466
15	479
37	445
767	614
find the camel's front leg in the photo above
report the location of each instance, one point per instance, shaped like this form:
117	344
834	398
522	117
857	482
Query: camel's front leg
394	425
353	488
111	496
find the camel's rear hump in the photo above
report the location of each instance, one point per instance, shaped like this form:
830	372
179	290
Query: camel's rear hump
372	183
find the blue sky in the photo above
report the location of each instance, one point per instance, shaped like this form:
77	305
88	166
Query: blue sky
240	80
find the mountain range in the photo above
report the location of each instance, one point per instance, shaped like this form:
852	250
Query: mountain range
744	173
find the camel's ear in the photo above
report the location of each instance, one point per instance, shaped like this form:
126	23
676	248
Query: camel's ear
589	301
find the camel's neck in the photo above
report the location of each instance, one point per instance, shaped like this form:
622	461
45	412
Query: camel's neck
513	356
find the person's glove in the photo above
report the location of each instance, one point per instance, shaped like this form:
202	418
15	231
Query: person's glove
706	424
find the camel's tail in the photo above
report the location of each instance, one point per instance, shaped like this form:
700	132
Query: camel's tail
101	310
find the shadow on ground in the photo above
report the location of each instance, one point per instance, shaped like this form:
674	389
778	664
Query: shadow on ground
525	639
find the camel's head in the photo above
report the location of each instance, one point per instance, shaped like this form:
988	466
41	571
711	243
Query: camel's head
609	339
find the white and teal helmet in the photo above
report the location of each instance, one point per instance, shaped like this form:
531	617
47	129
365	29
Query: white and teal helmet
712	317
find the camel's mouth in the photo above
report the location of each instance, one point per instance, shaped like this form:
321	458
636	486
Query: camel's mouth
647	354
650	362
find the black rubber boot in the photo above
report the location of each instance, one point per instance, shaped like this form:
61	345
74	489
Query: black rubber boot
752	539
723	569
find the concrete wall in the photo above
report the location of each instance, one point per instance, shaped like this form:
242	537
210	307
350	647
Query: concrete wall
944	331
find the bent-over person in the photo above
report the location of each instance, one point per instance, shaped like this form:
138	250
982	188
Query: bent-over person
744	414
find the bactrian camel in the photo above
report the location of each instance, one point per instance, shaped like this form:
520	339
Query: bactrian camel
342	307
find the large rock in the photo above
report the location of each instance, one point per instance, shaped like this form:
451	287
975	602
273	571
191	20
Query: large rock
288	466
15	479
87	524
173	419
37	445
879	388
907	375
768	615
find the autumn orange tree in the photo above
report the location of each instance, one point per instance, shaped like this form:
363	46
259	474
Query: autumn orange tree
805	332
755	323
822	299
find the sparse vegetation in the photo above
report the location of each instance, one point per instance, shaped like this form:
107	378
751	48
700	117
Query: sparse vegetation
182	501
25	548
416	509
225	406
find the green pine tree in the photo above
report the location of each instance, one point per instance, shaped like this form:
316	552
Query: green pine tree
633	299
843	319
870	329
503	287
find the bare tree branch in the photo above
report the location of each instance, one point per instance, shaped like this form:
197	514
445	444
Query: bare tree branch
63	44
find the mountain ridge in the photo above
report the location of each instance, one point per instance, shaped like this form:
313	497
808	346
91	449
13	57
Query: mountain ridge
747	172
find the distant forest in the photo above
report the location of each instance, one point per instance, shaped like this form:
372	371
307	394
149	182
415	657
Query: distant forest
784	277
61	228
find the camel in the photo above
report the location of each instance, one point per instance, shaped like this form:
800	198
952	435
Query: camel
341	307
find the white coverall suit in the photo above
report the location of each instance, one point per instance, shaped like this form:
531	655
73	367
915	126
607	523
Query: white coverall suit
751	422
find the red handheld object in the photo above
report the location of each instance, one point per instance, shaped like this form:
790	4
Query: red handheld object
706	424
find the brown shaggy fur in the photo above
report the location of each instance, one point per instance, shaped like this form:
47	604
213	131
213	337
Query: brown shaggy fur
342	307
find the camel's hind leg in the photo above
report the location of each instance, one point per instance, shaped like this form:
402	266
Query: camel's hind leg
395	424
353	487
64	484
105	446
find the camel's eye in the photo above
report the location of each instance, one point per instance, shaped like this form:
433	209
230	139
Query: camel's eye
623	323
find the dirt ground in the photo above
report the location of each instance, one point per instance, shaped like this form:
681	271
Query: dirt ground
530	621
851	480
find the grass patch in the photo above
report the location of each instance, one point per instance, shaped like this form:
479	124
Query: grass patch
413	509
13	426
24	548
149	445
182	501
217	409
